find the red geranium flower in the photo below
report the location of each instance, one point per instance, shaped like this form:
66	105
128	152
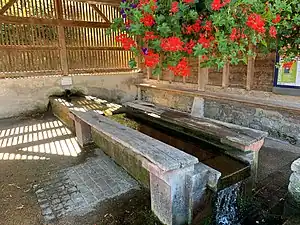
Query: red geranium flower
148	20
273	32
208	26
151	59
181	69
204	41
127	42
188	1
256	22
172	44
149	35
217	4
189	46
174	7
277	19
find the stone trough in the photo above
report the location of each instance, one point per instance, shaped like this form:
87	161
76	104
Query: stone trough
178	182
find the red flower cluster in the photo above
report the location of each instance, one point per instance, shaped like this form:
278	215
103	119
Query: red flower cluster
174	7
147	2
194	28
149	35
277	19
127	42
273	32
217	4
181	69
147	20
205	41
188	1
256	22
189	46
151	59
208	26
172	44
236	34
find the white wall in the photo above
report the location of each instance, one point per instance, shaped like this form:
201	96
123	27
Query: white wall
29	95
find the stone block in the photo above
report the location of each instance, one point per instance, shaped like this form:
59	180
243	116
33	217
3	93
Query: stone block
198	107
83	132
169	199
295	167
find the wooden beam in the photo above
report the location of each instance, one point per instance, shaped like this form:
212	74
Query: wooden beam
103	16
53	22
202	76
28	47
225	75
62	39
7	6
100	2
250	70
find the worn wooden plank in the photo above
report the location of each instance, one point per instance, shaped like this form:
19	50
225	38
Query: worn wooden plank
162	155
7	6
230	134
42	21
103	16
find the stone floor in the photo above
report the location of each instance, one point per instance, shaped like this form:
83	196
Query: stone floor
46	178
78	189
275	160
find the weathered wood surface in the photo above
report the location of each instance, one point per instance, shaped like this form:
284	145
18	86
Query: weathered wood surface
233	135
162	155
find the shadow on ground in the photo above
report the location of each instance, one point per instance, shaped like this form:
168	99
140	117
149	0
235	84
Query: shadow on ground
33	152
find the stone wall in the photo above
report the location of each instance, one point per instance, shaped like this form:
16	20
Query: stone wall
278	123
30	95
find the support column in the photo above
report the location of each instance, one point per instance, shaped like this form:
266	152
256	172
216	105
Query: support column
83	133
169	197
62	39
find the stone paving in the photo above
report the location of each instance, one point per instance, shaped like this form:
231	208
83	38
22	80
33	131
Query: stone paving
78	189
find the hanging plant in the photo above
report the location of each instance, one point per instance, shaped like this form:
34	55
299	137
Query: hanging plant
217	31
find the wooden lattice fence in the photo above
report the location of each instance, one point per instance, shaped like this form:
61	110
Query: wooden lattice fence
41	37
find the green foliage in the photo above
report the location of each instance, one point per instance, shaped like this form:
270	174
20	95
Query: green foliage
220	44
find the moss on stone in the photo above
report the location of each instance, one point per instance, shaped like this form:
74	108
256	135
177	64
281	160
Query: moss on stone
122	119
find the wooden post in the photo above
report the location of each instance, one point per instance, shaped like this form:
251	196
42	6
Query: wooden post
250	70
138	58
171	76
202	76
225	75
62	39
149	71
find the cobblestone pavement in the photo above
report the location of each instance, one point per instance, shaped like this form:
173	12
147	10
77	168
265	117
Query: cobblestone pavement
78	189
